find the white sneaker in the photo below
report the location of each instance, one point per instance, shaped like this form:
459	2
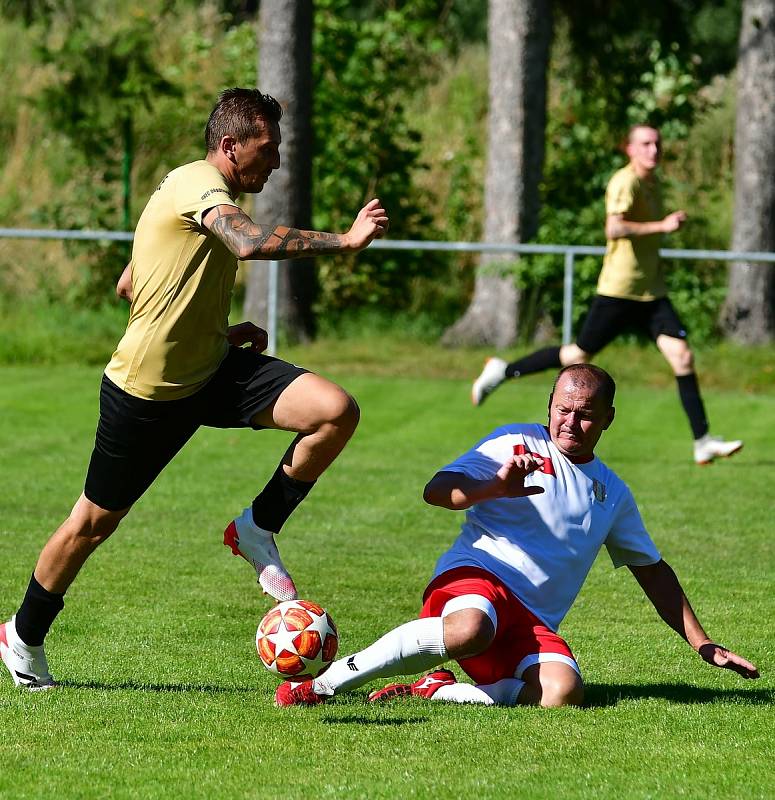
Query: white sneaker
710	447
257	547
27	664
490	378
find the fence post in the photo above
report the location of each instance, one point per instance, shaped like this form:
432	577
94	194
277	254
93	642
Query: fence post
271	307
567	299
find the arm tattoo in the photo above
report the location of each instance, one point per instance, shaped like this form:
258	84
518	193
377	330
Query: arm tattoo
246	239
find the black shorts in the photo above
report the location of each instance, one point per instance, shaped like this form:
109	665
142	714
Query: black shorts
608	317
137	438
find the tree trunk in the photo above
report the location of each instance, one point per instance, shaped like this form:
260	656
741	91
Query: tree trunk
748	315
285	72
519	36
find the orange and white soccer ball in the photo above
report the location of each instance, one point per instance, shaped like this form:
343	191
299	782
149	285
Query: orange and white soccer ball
297	640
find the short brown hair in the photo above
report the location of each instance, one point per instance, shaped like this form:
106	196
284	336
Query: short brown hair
632	129
603	382
235	114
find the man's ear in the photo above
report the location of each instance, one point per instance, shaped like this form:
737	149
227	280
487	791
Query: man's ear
226	146
611	415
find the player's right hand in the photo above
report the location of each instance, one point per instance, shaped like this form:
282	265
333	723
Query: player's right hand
371	223
248	333
512	475
672	222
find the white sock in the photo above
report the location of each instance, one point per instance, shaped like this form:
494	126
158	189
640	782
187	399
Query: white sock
414	647
462	693
502	693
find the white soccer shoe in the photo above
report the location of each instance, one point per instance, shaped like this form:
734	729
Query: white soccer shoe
711	447
257	547
27	664
490	378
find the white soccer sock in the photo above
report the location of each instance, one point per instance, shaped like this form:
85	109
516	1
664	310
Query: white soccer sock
414	647
503	693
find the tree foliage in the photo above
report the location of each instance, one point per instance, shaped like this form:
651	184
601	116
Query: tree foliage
399	105
364	71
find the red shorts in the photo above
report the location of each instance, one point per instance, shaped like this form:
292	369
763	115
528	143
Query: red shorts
521	639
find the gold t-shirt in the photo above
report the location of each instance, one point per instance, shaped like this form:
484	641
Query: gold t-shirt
182	278
631	266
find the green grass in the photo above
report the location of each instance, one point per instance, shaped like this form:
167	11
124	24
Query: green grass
164	696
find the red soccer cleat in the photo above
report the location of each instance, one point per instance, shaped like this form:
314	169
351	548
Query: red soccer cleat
425	687
298	694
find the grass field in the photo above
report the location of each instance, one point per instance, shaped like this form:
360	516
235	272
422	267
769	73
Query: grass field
163	695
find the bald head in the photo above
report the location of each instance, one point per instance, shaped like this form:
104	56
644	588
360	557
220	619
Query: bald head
600	384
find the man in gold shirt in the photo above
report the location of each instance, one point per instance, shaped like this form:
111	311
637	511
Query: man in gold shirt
631	293
180	365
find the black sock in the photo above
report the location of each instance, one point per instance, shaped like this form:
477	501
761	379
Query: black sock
689	392
37	612
536	362
278	499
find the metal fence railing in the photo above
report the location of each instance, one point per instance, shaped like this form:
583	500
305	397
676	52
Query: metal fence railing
568	252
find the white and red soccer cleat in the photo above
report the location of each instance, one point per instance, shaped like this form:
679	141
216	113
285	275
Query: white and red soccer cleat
27	664
298	694
710	447
490	378
257	547
425	687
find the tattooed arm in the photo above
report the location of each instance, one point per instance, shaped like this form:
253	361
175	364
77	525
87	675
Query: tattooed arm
248	240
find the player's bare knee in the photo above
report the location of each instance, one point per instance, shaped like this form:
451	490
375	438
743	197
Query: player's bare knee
351	413
573	354
339	414
89	523
562	691
467	633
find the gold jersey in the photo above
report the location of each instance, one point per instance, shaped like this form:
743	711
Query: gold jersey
631	266
182	279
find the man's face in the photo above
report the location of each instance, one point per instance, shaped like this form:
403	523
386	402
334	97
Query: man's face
644	149
258	157
578	415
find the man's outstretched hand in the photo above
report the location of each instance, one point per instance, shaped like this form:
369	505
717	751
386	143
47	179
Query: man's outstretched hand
510	479
371	223
718	656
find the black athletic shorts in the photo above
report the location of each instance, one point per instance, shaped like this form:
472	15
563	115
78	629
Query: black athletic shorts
137	438
608	317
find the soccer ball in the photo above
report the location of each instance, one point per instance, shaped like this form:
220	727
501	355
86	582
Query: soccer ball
297	640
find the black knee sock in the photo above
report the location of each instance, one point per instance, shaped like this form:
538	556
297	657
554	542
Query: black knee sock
536	362
37	612
689	392
278	499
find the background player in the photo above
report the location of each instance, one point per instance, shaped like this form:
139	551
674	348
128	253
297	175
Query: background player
540	505
179	365
631	293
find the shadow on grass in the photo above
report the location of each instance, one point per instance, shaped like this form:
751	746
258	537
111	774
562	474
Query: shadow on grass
358	719
602	695
134	686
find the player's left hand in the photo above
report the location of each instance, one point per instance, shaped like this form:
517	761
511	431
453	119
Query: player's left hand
718	656
248	333
371	223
